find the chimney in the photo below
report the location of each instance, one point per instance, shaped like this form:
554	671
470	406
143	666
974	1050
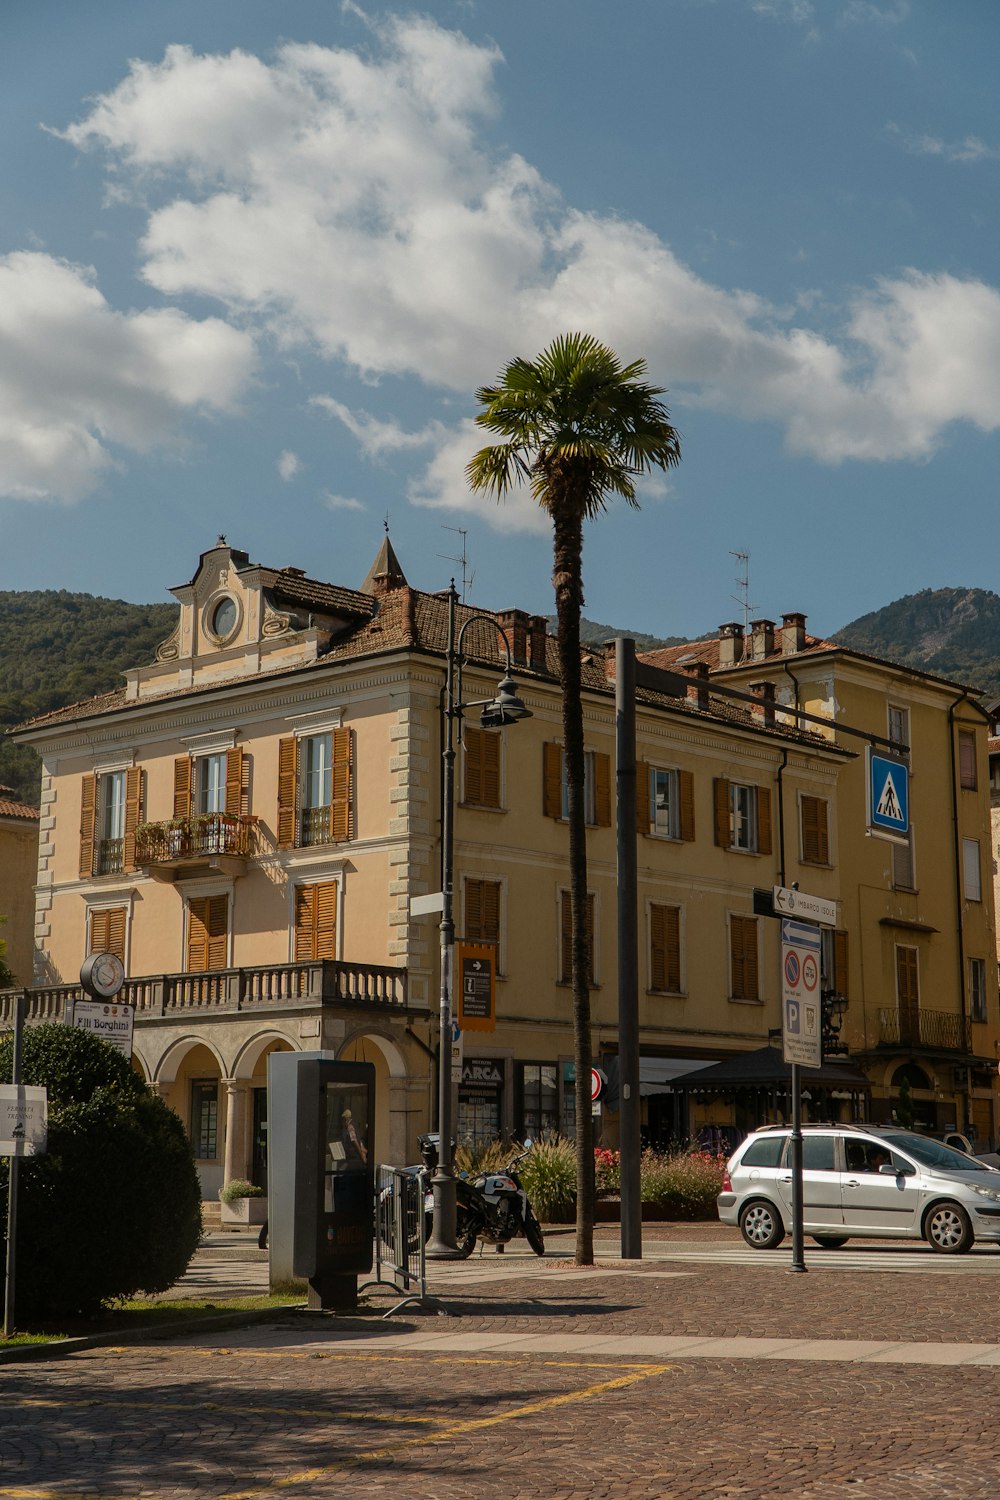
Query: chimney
698	690
767	692
761	639
515	623
793	634
538	631
730	644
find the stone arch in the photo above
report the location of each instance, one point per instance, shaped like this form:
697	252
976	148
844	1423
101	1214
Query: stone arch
189	1061
170	1062
249	1057
400	1099
913	1074
140	1066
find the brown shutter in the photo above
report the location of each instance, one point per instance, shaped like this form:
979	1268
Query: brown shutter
664	949
340	806
208	933
182	787
88	822
234	781
287	783
685	780
552	763
473	741
815	831
602	789
723	836
133	812
316	921
642	775
107	931
763	820
967	759
743	954
482	911
840	979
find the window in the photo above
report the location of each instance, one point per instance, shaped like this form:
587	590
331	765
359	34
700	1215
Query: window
967	759
566	944
834	961
207	933
971	877
482	767
211	784
765	1151
107	931
205	1118
742	816
743	958
596	786
903	873
482	911
315	776
665	949
109	815
664	802
539	1098
815	831
908	995
977	989
817	1153
899	727
316	921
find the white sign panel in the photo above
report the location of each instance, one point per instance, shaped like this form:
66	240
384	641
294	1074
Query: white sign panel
805	907
457	1052
801	1006
24	1120
109	1020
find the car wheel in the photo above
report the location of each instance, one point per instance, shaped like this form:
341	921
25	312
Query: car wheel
948	1230
830	1241
761	1226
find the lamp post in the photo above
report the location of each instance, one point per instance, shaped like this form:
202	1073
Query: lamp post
505	708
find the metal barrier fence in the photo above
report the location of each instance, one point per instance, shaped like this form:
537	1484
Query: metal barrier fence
400	1235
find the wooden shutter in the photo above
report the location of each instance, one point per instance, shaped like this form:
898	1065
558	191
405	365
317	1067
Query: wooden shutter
665	948
643	772
602	789
763	820
685	782
566	935
208	933
340	804
482	768
743	957
133	814
316	921
552	763
840	974
107	931
288	765
723	834
88	825
234	781
815	831
482	911
967	759
182	786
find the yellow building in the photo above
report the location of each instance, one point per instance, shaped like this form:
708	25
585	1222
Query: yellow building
918	916
18	862
246	821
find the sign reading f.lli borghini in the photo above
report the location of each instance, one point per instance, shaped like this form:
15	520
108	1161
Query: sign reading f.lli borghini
476	993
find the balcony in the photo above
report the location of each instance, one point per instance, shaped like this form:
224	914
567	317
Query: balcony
929	1030
208	843
319	984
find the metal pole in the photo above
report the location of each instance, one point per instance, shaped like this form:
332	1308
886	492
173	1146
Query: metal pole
629	1103
441	1245
14	1168
798	1249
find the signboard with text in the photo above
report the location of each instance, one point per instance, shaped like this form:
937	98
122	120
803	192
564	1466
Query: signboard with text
475	984
110	1020
24	1120
801	1008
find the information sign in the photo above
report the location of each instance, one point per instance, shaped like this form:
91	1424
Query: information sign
801	1007
476	998
109	1020
789	902
888	796
24	1120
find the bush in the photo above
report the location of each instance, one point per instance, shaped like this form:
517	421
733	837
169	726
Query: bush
114	1207
685	1184
548	1176
607	1170
238	1188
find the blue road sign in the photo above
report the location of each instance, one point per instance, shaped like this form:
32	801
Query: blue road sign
888	795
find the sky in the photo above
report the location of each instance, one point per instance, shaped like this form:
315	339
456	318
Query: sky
257	258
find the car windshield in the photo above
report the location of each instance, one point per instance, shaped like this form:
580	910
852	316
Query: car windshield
933	1154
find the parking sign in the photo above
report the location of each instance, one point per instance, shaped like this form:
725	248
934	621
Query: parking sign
801	1006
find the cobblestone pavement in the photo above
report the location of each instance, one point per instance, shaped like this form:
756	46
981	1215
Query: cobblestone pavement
304	1408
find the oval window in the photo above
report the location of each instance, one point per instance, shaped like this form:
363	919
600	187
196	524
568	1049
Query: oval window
224	618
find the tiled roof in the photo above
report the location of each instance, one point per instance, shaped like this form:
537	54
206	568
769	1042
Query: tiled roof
293	587
10	807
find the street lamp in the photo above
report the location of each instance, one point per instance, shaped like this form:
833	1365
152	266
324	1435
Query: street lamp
505	708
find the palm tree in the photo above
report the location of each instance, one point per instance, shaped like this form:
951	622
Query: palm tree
578	426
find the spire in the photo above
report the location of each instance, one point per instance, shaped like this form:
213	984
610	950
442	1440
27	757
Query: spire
385	572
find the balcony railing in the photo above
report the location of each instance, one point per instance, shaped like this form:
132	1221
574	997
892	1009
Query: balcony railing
110	856
200	837
936	1030
323	983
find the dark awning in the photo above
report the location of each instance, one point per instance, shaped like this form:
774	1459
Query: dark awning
766	1068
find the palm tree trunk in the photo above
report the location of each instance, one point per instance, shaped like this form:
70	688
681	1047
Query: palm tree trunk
567	580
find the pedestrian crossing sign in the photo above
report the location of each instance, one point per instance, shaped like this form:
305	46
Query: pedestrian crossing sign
888	796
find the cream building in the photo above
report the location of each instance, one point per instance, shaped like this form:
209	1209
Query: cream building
18	865
246	820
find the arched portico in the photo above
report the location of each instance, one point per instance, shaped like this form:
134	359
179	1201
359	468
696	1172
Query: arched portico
401	1099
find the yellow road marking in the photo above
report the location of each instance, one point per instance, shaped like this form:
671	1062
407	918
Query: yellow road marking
223	1406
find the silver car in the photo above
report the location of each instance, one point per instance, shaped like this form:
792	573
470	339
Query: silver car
870	1180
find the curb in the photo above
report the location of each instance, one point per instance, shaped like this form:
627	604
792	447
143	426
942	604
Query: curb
60	1348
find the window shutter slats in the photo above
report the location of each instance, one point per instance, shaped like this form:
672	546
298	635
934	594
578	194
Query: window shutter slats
107	931
840	979
482	911
967	759
340	807
602	789
234	781
182	786
316	921
720	788
473	742
208	933
815	831
643	773
743	955
763	820
88	822
552	780
287	781
685	781
133	813
665	950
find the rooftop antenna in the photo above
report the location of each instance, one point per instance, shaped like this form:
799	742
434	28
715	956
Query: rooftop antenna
743	597
467	578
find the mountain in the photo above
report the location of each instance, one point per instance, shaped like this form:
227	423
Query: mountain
593	634
953	632
56	648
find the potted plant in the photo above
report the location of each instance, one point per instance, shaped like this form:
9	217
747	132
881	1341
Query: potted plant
243	1203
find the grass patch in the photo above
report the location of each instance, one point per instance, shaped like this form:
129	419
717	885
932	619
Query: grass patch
140	1313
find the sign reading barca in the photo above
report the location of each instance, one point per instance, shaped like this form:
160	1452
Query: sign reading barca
888	796
476	997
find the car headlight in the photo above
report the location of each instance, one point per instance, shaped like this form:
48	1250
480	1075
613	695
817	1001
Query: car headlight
985	1192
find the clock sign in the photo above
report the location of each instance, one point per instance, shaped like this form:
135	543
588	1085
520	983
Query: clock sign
102	975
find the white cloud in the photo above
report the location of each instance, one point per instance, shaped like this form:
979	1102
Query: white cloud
289	464
865	12
969	149
344	202
78	380
342	502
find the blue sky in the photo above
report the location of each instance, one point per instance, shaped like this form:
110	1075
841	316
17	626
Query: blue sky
256	258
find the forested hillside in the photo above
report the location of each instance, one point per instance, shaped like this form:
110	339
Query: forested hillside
56	648
953	632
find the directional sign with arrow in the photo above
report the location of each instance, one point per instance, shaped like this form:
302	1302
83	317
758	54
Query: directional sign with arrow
476	997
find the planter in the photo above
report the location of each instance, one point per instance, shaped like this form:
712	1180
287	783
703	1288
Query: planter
243	1212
